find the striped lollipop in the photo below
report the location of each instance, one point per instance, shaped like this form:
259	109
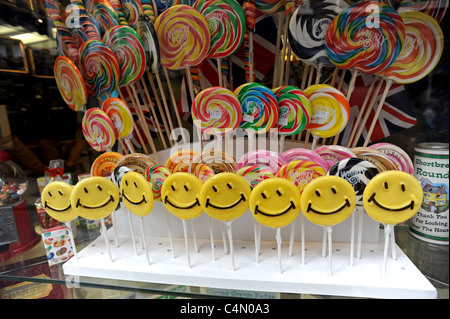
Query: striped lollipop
300	172
98	129
119	113
216	110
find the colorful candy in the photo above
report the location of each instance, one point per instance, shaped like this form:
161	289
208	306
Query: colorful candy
99	67
367	36
203	172
305	154
399	157
254	174
294	111
259	107
434	8
98	129
137	162
105	163
250	14
380	160
269	6
333	154
183	36
104	14
70	83
300	172
129	51
120	115
217	160
182	157
216	110
132	9
156	175
263	158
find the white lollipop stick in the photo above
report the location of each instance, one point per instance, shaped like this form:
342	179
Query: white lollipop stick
169	227
394	254
194	236
116	234
224	239
141	224
324	243
186	242
132	233
302	226
257	231
360	226
106	238
387	236
330	248
352	240
291	239
211	235
230	238
71	239
279	241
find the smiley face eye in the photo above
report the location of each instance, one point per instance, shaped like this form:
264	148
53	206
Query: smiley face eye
278	192
50	194
333	190
229	186
403	187
263	195
185	187
98	186
317	193
135	185
85	190
214	189
386	186
60	193
173	188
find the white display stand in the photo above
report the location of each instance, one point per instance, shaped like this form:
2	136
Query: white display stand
363	279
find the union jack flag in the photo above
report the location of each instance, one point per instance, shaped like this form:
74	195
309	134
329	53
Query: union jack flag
397	112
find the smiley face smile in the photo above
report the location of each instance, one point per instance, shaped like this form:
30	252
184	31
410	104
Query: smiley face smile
55	209
310	209
110	200
372	199
258	211
143	200
241	199
166	201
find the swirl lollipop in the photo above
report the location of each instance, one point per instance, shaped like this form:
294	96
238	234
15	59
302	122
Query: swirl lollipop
183	36
255	174
129	51
119	113
434	8
99	67
104	14
300	172
132	9
70	83
98	129
117	6
216	110
105	163
263	158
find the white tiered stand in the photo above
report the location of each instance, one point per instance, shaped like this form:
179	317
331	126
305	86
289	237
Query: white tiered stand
363	279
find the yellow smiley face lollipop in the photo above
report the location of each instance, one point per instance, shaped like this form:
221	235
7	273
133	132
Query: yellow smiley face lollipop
328	200
180	192
94	197
225	196
56	200
275	202
392	197
136	194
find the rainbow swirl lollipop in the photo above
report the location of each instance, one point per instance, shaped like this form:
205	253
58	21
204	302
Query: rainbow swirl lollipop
183	36
434	8
367	36
98	129
300	172
104	14
269	6
259	107
163	5
119	113
117	6
99	67
295	110
226	21
424	43
132	9
129	50
156	175
330	110
70	83
216	110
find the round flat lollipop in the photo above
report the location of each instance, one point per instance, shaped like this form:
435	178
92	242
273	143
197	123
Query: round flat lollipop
328	200
180	193
183	36
136	194
226	22
104	14
269	6
333	154
132	9
304	154
330	110
98	129
263	158
367	36
275	202
399	157
217	160
424	43
225	196
392	197
379	159
156	175
434	8
357	172
99	67
137	162
254	174
185	157
294	111
119	113
216	110
300	172
129	50
147	32
203	172
94	197
70	83
105	163
308	27
56	201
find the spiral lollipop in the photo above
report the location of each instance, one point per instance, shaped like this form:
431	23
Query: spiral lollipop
269	6
183	36
367	36
129	50
98	129
330	110
117	6
308	27
150	10
119	113
156	175
294	110
259	107
132	10
163	5
226	21
86	28
300	172
255	174
216	110
434	8
104	14
263	158
99	67
70	83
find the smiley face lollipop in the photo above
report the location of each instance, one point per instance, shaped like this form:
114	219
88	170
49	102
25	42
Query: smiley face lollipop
56	200
327	201
390	198
95	198
225	197
274	202
138	198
